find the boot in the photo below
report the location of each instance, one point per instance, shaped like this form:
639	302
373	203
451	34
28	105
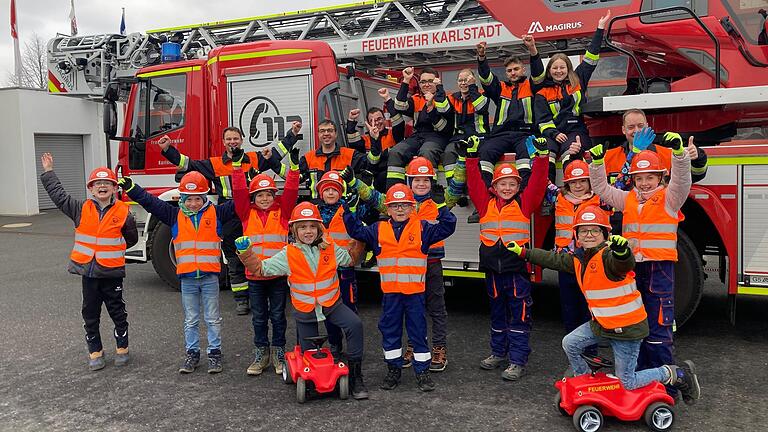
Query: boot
260	361
492	362
278	359
357	386
191	362
122	357
439	359
96	360
392	379
513	372
424	381
242	307
473	218
684	378
408	357
214	362
336	352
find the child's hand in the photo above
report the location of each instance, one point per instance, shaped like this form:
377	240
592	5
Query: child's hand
126	183
47	160
473	142
347	174
242	243
515	248
539	146
351	200
438	194
674	141
597	154
619	245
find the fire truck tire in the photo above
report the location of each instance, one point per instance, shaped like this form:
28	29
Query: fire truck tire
161	251
689	279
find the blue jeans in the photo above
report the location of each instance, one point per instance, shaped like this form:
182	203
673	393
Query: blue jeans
624	353
268	298
193	292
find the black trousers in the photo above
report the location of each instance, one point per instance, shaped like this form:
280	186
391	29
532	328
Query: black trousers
233	229
110	292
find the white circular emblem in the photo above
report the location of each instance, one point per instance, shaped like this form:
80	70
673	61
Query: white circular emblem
306	212
333	176
588	216
399	195
577	172
190	186
506	170
643	164
423	170
102	174
264	183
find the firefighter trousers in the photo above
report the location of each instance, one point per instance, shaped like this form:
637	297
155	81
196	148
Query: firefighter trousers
510	296
108	291
434	299
348	290
233	229
395	307
430	146
494	147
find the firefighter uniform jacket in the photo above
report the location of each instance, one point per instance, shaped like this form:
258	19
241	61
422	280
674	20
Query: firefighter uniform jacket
471	113
437	123
316	163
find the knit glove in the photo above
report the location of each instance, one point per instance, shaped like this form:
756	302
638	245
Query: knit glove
242	243
473	142
351	200
515	248
536	146
438	194
597	154
294	157
674	141
642	139
619	245
126	183
347	174
237	157
461	149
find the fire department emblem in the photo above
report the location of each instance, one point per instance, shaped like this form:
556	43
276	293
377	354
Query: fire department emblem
506	170
643	164
577	172
398	195
190	186
423	169
588	216
264	183
102	174
411	238
306	212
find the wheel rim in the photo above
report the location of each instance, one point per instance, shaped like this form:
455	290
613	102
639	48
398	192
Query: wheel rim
172	253
662	418
590	421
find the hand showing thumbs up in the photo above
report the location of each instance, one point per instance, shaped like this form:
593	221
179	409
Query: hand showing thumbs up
575	146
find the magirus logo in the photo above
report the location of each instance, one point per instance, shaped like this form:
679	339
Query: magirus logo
537	27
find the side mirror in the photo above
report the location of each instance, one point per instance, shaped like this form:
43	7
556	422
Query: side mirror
112	92
110	118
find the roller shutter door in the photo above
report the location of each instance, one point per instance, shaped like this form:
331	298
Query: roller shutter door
67	151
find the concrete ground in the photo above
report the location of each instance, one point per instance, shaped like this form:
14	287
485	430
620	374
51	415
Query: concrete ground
45	384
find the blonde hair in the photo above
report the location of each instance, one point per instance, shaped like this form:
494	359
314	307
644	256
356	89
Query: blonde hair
572	77
320	234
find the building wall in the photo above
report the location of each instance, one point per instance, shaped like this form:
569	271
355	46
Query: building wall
26	112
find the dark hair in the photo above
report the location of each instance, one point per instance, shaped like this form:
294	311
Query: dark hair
513	59
232	129
327	122
429	70
373	110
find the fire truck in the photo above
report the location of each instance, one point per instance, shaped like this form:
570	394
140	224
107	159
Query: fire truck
696	67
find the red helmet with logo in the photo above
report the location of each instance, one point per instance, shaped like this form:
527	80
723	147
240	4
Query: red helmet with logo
262	182
193	183
305	211
646	162
420	167
592	215
102	173
503	171
399	193
576	170
330	179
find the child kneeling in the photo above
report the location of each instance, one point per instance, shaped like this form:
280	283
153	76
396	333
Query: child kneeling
604	273
310	263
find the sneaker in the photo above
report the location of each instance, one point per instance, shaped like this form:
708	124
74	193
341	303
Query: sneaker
260	361
492	362
122	357
191	362
513	372
408	357
96	361
439	359
214	362
685	379
357	386
424	381
392	379
242	307
278	359
473	218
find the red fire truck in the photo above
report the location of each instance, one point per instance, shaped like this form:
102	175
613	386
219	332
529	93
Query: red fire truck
695	67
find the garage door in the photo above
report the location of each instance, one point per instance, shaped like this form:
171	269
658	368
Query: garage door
67	151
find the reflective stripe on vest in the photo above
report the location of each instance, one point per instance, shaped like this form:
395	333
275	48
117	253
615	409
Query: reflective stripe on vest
652	233
506	225
100	238
309	288
613	304
197	248
427	211
565	212
267	239
402	264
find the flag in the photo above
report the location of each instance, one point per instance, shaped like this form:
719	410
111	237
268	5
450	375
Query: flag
122	23
15	36
72	19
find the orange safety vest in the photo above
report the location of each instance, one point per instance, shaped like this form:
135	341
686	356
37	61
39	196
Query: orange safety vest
509	224
652	233
427	211
615	159
340	161
387	141
197	249
224	172
524	96
267	239
100	238
308	288
565	211
337	231
402	264
612	304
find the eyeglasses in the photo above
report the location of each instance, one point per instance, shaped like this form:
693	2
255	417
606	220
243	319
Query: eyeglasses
589	231
427	81
101	183
399	206
322	131
462	80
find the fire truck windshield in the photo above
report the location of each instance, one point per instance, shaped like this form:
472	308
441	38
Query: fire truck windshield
749	16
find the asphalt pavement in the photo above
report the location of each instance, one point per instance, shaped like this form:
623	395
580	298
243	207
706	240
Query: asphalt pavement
46	385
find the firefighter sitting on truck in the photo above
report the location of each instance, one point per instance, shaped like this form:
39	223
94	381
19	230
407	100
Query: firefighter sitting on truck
310	262
104	228
558	104
602	267
432	123
218	170
402	245
377	150
651	215
430	198
513	121
504	217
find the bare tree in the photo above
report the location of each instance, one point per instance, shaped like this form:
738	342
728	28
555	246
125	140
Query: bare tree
34	65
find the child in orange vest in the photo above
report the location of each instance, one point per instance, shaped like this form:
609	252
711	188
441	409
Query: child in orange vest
311	263
603	271
196	231
651	216
401	246
104	228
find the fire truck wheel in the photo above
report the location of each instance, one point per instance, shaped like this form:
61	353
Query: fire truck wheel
689	279
161	252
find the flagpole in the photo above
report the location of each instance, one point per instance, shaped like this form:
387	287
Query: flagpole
15	36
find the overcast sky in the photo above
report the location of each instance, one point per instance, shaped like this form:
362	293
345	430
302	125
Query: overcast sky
47	17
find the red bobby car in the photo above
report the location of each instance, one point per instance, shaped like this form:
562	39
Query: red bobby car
589	397
317	367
